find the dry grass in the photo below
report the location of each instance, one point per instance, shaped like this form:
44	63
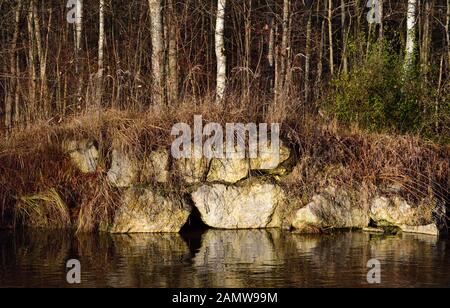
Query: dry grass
371	164
32	161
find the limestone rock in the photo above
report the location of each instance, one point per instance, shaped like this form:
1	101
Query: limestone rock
231	169
143	210
270	159
156	167
124	169
430	229
83	154
332	209
396	212
246	206
193	169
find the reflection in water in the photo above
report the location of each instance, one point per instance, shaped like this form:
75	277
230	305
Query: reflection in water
217	258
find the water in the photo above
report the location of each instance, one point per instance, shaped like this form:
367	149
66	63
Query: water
218	258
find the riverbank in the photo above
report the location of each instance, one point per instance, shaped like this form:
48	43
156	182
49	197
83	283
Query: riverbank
112	171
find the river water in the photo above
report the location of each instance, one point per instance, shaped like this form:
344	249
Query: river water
218	258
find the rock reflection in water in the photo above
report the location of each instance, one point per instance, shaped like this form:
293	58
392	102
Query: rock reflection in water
219	258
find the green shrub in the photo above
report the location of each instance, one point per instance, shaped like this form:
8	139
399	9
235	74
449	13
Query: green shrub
379	97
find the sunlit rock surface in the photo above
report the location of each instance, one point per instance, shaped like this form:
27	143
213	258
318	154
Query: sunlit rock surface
231	169
83	154
144	210
246	206
124	169
156	167
332	209
270	158
191	170
398	212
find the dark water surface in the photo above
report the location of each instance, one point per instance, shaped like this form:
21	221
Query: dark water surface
219	258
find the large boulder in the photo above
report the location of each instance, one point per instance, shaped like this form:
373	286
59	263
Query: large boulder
396	211
124	169
83	154
144	210
332	208
249	205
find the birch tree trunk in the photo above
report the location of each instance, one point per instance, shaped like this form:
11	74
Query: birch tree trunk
220	51
156	29
78	25
101	39
410	36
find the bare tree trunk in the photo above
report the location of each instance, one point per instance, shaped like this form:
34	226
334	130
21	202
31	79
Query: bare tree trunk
271	52
438	96
308	57
284	42
78	35
101	39
447	30
220	51
31	65
410	36
281	61
248	50
426	40
381	7
156	29
330	35
12	62
172	54
320	60
40	55
15	65
344	39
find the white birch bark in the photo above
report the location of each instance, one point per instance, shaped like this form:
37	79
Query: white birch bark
78	25
410	35
220	51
